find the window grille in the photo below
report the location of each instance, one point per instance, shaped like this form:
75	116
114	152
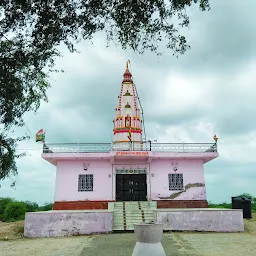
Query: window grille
176	181
85	182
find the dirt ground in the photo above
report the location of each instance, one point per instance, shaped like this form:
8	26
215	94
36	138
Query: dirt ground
12	243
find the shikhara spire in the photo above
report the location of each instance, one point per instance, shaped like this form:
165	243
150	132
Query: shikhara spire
127	122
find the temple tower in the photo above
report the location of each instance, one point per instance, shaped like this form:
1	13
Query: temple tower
127	122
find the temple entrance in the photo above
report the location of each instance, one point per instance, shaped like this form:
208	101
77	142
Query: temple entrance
131	187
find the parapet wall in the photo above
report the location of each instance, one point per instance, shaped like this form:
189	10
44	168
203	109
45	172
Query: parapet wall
67	223
212	220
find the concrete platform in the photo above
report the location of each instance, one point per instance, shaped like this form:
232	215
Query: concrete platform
201	219
67	223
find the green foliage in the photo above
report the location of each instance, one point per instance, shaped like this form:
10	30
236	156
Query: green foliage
229	205
249	196
31	206
46	207
222	205
3	203
15	211
11	210
31	31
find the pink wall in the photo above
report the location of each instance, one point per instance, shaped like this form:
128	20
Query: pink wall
67	180
104	179
193	172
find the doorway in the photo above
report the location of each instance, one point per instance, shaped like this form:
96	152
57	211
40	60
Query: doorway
131	187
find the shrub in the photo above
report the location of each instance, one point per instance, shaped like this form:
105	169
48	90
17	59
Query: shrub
15	211
46	207
3	203
223	205
31	206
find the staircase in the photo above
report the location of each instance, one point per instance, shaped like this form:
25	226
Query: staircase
128	213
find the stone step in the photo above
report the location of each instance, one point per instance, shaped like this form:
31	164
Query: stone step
120	223
133	209
135	203
130	218
138	216
133	214
134	206
137	210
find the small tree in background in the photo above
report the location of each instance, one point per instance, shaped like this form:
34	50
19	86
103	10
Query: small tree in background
31	206
246	195
3	203
15	211
46	207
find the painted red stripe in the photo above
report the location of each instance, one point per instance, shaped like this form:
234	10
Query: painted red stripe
124	215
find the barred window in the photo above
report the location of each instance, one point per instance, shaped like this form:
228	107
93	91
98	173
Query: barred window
85	182
176	181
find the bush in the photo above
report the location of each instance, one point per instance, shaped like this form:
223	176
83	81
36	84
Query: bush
46	207
15	211
3	203
223	205
31	206
11	210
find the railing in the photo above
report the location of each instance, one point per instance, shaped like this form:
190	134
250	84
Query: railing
146	146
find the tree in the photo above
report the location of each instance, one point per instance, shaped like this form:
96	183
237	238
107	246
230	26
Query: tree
248	196
14	211
31	31
3	203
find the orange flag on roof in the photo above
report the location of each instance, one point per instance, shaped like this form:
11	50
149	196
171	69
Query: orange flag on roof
215	137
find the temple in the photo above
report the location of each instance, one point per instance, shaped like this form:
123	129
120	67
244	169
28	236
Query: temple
105	187
89	176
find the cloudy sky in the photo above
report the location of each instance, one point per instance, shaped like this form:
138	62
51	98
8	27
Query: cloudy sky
211	87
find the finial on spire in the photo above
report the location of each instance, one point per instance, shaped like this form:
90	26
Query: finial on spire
128	63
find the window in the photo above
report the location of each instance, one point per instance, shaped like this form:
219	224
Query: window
176	181
85	182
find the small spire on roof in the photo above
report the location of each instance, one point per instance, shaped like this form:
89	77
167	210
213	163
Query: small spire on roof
127	73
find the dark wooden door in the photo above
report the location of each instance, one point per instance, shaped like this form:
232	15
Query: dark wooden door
131	187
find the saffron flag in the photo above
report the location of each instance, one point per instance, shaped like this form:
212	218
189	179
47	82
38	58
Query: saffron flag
40	135
215	138
130	134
